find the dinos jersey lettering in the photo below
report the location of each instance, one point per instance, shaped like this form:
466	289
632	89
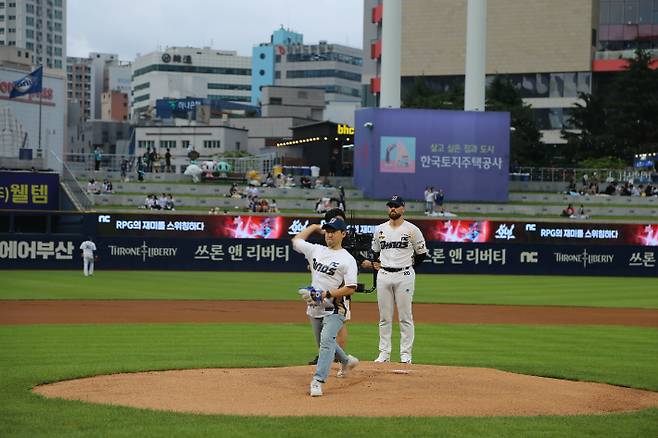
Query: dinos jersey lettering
330	269
398	245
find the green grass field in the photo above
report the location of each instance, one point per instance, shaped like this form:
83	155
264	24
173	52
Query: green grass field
37	354
463	289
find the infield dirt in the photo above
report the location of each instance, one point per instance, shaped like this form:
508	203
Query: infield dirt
370	390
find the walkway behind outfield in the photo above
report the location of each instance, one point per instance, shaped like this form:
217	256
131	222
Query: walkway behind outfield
199	198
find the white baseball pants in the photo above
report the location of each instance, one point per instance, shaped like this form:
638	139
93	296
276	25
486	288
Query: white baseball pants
88	266
398	288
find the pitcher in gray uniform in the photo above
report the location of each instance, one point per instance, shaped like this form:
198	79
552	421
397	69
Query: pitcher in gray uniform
401	246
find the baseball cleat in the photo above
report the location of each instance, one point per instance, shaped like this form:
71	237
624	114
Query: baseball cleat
345	368
405	358
382	358
316	388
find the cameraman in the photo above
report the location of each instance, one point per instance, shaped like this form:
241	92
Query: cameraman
316	323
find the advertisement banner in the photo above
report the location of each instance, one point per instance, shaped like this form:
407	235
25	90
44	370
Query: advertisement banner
434	230
276	255
29	191
402	151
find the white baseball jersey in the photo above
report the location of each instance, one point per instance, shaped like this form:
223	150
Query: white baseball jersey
88	247
398	245
330	269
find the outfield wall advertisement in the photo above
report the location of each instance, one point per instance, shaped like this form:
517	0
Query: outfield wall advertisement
444	230
276	255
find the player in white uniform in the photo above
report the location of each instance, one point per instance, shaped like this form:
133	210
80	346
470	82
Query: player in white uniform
87	248
316	321
401	246
333	280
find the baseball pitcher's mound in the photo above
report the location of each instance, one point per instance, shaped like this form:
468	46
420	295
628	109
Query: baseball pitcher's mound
370	390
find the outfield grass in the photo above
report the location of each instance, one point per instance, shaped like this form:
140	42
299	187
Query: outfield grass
39	354
455	289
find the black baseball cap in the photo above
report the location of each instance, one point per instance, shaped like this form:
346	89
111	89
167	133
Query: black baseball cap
395	201
335	224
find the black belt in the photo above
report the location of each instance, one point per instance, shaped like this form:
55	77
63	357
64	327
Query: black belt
395	269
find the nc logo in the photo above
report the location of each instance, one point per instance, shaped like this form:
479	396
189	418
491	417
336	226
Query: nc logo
529	257
103	218
530	227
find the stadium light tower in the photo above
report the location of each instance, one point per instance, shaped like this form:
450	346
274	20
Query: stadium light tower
391	54
476	45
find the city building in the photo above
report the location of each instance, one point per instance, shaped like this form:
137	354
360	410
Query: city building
551	50
112	137
36	25
88	78
287	61
32	126
114	106
78	84
181	72
301	102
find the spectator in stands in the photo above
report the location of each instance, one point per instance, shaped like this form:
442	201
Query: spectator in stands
569	211
273	207
280	180
438	203
636	190
428	197
124	169
168	161
341	198
263	206
93	188
233	191
98	156
162	201
252	191
269	180
107	186
581	213
169	204
650	190
305	182
610	189
571	188
153	156
323	205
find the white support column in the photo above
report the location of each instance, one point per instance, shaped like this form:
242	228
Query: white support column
476	55
391	54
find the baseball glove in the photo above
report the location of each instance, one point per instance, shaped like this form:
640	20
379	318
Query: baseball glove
310	295
305	294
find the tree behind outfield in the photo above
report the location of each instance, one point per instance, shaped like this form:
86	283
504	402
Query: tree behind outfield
620	120
526	148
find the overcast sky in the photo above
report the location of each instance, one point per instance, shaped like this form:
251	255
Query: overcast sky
129	27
